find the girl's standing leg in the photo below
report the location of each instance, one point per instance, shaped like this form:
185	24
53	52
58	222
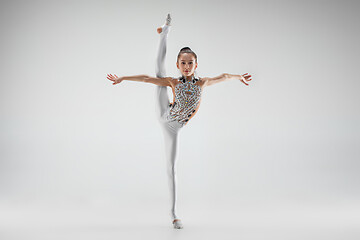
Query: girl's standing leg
171	140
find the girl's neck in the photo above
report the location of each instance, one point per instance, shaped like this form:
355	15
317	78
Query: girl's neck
189	78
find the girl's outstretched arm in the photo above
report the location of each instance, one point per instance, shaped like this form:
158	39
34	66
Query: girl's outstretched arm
141	78
226	76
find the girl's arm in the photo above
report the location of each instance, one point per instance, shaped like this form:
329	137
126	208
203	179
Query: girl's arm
226	76
141	78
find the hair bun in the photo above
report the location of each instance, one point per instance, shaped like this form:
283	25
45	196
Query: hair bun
185	48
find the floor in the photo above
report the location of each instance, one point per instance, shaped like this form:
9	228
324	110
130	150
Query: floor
112	221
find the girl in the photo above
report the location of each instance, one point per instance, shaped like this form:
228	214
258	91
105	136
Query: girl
187	95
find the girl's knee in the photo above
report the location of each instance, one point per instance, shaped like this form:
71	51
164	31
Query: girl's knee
171	171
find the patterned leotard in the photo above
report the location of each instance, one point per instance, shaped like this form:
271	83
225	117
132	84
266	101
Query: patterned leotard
187	98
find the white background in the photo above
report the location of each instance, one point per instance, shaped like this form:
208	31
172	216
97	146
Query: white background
82	158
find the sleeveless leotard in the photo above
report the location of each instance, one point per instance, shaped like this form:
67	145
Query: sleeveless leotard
187	98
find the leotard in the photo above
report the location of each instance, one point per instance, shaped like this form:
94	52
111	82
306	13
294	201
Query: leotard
187	98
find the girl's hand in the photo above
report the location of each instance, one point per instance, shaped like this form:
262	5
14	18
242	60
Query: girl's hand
115	79
245	77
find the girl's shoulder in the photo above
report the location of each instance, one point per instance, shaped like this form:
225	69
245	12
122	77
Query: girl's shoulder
202	81
173	81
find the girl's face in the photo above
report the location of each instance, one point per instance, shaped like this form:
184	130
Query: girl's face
186	64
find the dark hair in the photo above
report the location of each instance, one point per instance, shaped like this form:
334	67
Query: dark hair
186	50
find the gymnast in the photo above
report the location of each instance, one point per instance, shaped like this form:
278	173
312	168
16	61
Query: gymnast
186	101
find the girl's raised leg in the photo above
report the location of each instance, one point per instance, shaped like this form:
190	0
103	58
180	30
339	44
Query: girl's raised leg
170	134
162	98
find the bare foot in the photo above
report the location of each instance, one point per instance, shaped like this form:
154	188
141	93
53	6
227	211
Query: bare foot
167	22
177	224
